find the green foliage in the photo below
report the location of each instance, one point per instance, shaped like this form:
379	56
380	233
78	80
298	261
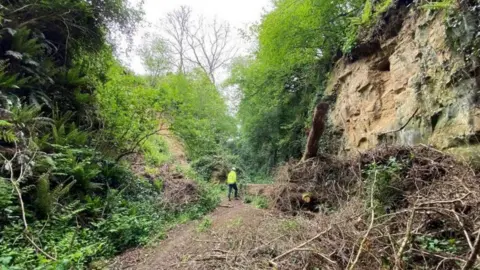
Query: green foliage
260	202
432	244
131	217
220	164
69	113
259	178
156	56
47	47
439	5
463	32
43	202
289	225
385	178
366	17
158	184
155	151
7	200
8	135
204	225
372	10
198	112
130	109
285	78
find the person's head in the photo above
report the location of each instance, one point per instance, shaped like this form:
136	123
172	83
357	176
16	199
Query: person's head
234	169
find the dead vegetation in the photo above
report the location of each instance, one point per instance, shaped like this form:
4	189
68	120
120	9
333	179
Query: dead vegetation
389	208
178	193
177	190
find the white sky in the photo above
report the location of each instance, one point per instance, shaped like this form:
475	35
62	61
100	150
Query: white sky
239	13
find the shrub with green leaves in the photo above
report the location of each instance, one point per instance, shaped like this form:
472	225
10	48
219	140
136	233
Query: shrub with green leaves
384	181
260	202
155	151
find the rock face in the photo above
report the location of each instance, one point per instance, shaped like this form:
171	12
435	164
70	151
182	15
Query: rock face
414	90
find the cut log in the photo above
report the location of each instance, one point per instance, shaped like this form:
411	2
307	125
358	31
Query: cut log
318	127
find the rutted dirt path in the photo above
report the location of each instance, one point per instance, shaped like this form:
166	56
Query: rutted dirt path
187	248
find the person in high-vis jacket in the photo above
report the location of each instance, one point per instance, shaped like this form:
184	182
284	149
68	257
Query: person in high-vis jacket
232	184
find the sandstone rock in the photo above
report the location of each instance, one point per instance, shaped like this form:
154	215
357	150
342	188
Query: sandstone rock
409	92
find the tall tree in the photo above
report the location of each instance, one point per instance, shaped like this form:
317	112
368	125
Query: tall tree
210	45
197	43
156	55
176	25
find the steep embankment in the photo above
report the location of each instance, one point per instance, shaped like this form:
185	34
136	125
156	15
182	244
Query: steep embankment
412	84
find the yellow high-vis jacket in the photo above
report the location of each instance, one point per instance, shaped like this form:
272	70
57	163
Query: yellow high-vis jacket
232	178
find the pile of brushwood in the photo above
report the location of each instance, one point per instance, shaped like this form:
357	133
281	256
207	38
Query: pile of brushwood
395	207
180	192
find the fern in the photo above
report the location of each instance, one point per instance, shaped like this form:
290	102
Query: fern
84	173
39	98
382	7
440	5
366	17
44	200
70	210
69	136
6	194
25	45
9	81
5	123
8	136
24	115
61	190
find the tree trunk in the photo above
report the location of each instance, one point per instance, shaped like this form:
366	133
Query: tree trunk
318	127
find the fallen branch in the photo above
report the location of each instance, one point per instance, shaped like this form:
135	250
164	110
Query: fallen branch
272	261
438	256
372	219
38	248
406	239
402	127
446	202
266	244
15	182
208	241
221	251
473	255
467	236
318	253
212	257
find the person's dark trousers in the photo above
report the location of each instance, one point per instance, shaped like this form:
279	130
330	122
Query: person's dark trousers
234	187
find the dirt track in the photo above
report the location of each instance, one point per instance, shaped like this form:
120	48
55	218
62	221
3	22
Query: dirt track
185	247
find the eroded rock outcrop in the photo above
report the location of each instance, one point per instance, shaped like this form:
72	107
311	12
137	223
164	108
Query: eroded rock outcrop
414	89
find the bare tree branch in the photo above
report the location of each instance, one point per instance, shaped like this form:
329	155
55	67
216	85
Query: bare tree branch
176	26
198	43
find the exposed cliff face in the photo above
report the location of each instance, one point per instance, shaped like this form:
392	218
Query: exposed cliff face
414	89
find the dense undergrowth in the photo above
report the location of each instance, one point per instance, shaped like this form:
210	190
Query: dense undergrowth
74	123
